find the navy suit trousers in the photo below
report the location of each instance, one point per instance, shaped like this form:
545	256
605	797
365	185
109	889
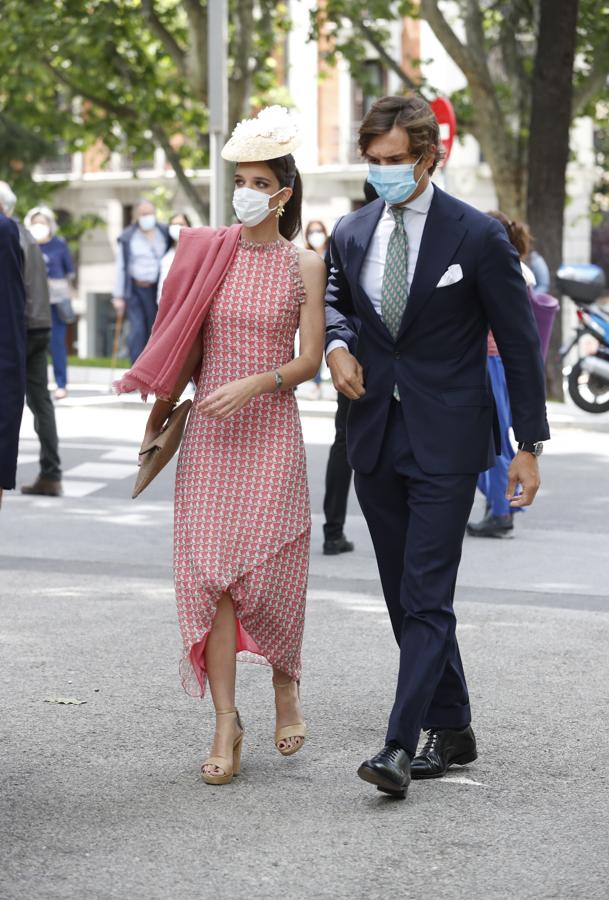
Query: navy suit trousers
417	523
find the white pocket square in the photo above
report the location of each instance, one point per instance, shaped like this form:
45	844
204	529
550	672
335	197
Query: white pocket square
451	276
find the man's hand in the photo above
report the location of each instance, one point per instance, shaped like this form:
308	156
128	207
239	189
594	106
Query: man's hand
524	470
347	374
119	305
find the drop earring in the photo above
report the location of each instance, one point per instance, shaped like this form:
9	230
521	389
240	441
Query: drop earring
280	209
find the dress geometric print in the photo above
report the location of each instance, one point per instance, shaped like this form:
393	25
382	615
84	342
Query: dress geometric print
242	511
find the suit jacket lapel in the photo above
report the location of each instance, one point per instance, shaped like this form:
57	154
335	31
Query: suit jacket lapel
442	236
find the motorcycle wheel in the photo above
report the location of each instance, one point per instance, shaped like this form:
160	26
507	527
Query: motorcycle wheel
588	391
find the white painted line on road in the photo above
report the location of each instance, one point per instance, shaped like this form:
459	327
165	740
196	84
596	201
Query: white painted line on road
25	458
121	454
73	488
113	471
461	779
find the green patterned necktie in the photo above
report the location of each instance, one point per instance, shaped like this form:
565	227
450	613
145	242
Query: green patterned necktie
394	292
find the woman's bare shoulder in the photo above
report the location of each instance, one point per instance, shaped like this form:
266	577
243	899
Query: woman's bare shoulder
311	264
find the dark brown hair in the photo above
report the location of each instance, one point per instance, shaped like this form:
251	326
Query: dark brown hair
411	113
517	232
284	169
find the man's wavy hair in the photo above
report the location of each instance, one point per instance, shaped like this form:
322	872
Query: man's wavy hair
411	113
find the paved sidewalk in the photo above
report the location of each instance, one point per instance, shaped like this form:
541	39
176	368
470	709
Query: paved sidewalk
103	799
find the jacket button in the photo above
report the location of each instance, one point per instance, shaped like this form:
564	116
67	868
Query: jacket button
397	355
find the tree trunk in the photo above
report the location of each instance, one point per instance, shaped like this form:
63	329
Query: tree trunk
552	91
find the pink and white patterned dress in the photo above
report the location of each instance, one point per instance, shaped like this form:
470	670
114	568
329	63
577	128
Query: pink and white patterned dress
242	512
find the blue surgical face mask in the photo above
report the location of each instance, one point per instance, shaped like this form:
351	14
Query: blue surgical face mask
147	222
394	184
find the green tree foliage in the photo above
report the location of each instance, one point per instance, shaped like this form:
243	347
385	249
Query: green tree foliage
129	73
494	43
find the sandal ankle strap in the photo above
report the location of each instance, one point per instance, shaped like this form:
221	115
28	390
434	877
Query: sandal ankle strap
283	683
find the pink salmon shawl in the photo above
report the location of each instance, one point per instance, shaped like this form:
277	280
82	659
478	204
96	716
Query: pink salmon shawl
203	256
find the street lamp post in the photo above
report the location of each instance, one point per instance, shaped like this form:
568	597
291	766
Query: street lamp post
217	43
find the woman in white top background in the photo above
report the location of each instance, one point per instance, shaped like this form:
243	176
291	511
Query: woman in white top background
176	223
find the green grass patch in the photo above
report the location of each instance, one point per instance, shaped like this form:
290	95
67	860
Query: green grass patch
98	362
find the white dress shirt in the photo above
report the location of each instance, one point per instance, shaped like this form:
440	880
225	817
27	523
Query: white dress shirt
371	276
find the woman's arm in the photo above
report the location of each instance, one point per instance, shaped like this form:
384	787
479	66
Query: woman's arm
229	398
162	408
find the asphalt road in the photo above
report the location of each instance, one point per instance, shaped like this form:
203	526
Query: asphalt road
103	799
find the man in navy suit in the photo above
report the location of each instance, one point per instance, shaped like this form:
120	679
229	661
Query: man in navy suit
426	276
12	350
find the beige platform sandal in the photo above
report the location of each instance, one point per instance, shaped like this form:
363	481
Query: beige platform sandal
231	767
289	731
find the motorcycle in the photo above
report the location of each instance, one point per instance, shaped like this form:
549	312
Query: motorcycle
588	377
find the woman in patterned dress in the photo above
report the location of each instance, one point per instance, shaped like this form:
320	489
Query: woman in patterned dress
242	514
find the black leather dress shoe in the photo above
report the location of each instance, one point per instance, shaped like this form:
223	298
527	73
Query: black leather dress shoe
444	748
340	545
492	526
389	770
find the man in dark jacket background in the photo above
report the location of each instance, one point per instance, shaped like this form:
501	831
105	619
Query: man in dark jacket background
12	350
38	324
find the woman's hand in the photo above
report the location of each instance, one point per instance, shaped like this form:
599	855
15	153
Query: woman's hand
230	398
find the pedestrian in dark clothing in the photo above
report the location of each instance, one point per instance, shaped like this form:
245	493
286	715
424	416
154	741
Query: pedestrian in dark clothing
42	225
142	246
12	349
38	335
338	479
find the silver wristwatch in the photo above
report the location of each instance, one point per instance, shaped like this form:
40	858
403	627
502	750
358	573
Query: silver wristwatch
278	380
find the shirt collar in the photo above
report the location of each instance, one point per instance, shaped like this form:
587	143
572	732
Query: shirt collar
420	204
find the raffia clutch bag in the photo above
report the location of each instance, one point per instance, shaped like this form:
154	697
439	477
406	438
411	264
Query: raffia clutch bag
159	451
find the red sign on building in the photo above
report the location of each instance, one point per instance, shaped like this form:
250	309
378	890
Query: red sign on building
445	114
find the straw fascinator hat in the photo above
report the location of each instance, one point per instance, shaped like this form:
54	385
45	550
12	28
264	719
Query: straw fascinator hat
271	134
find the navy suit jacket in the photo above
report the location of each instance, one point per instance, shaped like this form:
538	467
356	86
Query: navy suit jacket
439	358
12	349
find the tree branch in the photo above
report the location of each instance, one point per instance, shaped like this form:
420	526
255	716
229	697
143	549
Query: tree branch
78	91
196	55
593	83
175	162
431	12
164	35
389	61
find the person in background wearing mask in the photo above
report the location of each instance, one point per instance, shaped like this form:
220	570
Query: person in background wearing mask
38	324
232	304
142	246
499	516
12	347
42	225
316	238
425	275
176	223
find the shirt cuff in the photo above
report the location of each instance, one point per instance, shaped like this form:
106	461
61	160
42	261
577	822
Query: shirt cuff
334	345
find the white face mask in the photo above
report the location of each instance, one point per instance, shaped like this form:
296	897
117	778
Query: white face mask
174	231
147	222
317	239
40	232
252	207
